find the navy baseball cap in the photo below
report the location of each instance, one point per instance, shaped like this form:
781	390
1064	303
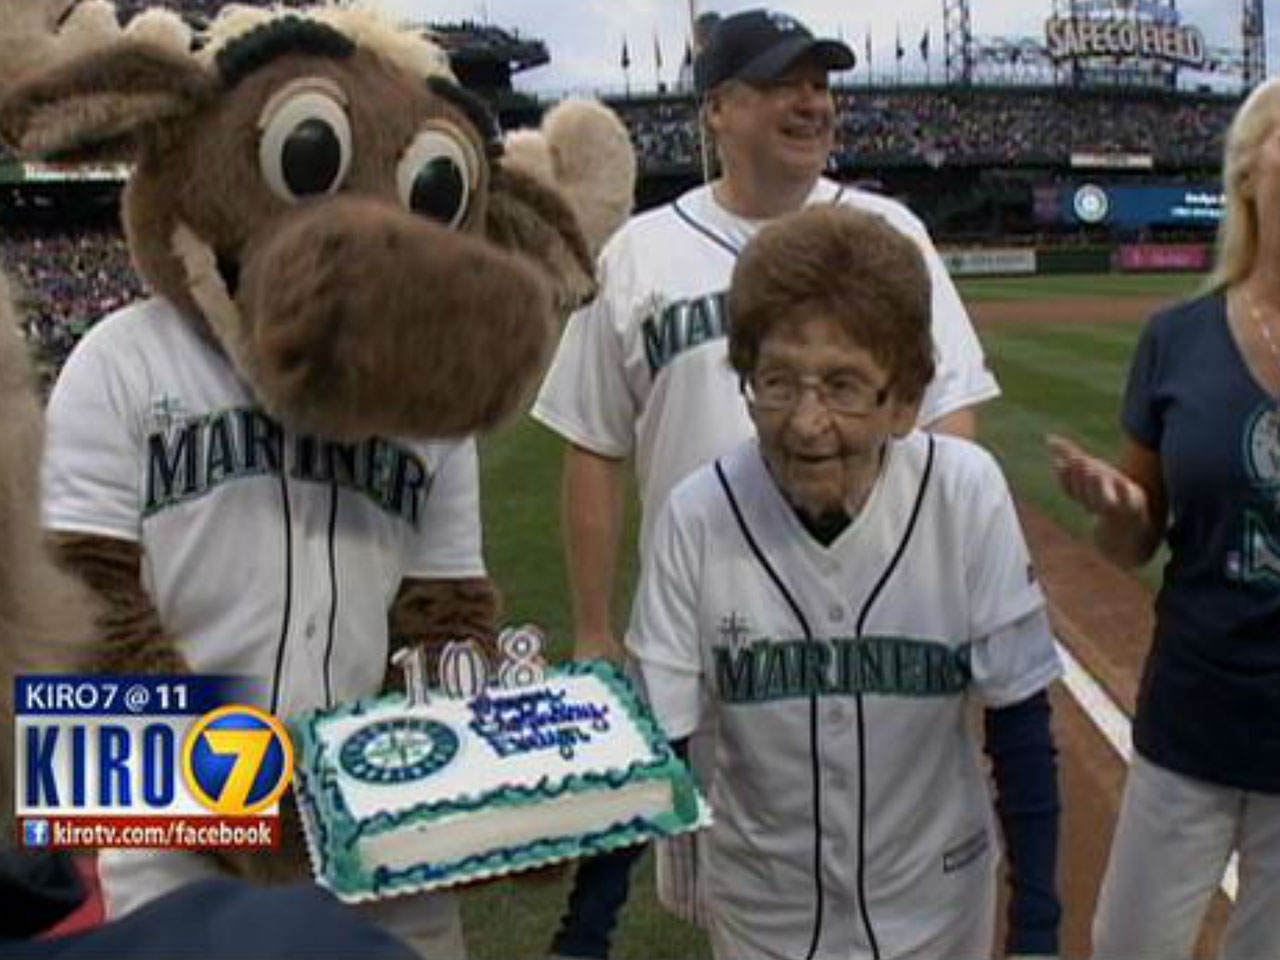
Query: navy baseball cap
758	46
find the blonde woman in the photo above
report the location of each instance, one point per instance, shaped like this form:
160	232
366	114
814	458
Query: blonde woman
1200	471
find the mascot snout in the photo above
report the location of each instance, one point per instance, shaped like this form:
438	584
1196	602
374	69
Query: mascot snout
337	341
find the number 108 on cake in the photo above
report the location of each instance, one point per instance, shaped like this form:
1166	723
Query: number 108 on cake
179	762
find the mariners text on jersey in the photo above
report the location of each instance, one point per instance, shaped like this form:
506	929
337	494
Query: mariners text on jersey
683	325
767	670
188	458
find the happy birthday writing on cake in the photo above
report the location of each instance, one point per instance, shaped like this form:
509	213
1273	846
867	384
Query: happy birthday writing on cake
536	720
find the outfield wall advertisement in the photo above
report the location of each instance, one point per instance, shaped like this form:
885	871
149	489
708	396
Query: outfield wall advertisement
1163	205
1138	257
990	261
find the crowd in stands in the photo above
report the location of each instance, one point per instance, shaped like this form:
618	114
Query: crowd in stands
65	280
194	9
69	277
938	126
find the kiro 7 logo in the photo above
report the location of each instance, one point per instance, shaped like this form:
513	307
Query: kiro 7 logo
236	760
97	746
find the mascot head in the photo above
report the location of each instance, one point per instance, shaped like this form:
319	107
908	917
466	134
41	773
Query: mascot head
313	191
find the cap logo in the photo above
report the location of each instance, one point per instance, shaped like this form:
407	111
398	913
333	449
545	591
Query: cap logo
785	23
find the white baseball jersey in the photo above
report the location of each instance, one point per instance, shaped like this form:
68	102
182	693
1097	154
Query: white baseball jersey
853	815
268	553
645	365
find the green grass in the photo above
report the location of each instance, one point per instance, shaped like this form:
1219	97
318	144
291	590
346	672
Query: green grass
1090	286
1057	378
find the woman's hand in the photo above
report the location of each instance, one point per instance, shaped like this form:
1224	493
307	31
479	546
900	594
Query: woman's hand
1095	484
1128	504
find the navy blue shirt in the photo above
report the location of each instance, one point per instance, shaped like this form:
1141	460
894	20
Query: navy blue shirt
1209	705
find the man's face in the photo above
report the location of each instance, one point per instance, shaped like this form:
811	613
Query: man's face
782	132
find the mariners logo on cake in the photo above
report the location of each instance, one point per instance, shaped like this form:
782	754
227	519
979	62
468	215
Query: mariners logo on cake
398	751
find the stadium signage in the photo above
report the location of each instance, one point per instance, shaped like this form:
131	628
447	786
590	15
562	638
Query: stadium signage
989	261
1072	38
56	173
1130	206
1112	161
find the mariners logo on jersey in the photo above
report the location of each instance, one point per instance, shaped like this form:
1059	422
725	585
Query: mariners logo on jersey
735	629
1262	448
189	456
1259	558
785	669
670	327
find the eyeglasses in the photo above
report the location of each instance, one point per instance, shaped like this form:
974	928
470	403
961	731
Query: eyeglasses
843	393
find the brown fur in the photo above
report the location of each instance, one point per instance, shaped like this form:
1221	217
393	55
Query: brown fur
101	100
430	613
351	349
600	181
228	203
132	639
526	215
45	615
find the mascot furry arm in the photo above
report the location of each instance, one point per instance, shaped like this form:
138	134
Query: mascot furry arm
45	614
412	252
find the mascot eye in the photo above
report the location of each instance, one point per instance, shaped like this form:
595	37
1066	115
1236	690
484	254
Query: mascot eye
305	148
436	176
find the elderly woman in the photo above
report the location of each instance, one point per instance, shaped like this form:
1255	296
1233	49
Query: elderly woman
1200	471
829	600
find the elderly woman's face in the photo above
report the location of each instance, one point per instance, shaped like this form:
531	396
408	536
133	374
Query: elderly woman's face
824	409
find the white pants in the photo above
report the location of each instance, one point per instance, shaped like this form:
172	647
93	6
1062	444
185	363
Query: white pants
676	858
429	923
971	939
1172	842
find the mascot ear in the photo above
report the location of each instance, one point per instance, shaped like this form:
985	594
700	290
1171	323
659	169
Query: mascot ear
94	89
559	193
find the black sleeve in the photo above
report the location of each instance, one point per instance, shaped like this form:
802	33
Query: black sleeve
1024	763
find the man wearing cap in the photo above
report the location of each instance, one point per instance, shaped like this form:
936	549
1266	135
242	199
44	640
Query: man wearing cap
643	370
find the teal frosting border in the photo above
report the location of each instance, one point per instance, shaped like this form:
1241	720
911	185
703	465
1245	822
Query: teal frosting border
335	834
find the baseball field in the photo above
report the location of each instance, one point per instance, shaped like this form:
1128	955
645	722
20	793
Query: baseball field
1060	347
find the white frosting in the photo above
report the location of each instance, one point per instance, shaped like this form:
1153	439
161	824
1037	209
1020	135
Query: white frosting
477	770
572	815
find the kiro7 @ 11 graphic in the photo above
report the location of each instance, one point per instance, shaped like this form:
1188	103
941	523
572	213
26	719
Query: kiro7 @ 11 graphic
178	762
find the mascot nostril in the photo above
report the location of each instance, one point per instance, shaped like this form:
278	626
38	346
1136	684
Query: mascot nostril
268	468
229	271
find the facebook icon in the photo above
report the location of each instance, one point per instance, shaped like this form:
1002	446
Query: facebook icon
35	833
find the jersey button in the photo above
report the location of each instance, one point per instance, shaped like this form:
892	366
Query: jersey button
836	613
311	627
